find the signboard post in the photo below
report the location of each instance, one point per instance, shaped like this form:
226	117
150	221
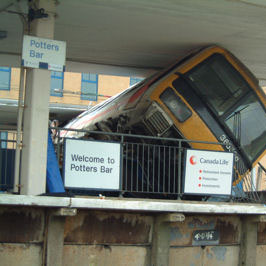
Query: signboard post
208	172
92	164
43	53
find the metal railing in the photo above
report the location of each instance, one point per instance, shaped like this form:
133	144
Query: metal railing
153	166
7	159
260	178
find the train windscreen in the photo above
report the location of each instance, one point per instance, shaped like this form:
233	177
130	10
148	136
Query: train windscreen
219	83
231	98
248	124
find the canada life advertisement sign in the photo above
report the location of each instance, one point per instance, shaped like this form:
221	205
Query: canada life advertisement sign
92	164
208	172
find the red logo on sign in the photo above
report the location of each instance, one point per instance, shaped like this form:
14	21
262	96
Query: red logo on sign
193	160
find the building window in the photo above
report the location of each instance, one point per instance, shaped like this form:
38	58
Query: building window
89	87
57	83
3	140
5	76
134	80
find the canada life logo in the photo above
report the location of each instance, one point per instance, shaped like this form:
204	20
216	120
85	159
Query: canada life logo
193	160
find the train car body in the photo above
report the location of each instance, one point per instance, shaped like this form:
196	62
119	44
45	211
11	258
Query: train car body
208	95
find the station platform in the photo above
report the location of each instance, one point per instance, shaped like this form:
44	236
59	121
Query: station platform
139	205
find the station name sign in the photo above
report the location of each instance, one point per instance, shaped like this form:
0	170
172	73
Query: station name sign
92	164
208	172
43	53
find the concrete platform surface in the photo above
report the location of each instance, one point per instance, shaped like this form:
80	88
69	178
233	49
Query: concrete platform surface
145	205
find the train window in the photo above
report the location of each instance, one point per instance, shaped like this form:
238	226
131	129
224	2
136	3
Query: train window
218	82
248	124
175	105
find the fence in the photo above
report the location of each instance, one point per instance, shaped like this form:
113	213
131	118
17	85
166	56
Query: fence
153	166
260	178
7	159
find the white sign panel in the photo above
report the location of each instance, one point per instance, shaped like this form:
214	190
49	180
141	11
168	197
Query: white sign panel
92	164
208	172
43	53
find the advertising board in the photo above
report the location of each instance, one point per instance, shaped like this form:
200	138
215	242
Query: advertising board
208	172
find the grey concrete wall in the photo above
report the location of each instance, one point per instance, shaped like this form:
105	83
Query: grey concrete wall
207	256
226	253
21	236
261	245
101	238
98	238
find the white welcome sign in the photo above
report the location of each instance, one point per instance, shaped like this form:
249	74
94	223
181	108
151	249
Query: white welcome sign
92	164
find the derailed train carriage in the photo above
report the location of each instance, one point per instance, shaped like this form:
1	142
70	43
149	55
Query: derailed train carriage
208	95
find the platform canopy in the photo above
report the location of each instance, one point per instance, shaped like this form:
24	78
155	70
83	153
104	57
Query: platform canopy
137	37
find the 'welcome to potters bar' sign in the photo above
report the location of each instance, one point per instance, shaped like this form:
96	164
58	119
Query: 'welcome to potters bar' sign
208	172
92	164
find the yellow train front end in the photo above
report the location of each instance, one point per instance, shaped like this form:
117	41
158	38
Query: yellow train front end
213	97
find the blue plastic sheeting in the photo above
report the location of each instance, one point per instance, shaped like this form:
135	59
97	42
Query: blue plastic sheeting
238	190
54	180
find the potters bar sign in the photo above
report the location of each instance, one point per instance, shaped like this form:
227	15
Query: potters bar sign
43	53
92	164
208	172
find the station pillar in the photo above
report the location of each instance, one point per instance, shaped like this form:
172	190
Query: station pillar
36	110
161	237
248	244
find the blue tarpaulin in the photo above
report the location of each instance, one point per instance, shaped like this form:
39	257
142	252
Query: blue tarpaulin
54	180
